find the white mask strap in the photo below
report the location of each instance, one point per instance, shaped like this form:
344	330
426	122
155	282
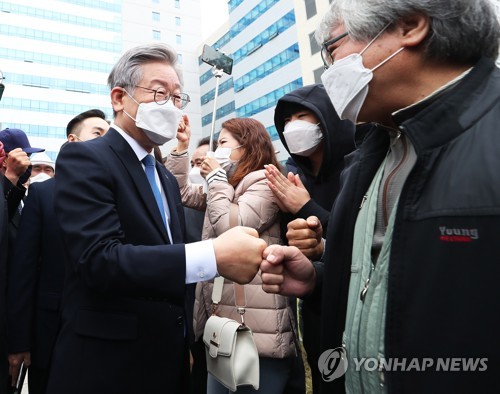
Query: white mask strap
374	38
389	58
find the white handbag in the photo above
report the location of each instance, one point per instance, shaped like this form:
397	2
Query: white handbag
232	356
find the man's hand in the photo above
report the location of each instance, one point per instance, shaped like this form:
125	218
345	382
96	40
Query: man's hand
15	361
286	271
183	134
17	163
238	252
307	236
290	191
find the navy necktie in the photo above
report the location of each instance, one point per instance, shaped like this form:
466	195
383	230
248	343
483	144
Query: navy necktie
149	163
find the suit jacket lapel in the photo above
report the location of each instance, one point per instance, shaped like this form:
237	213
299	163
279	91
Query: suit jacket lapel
130	161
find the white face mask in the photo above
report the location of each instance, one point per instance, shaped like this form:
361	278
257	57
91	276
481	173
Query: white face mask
223	155
302	137
159	122
42	177
346	82
195	176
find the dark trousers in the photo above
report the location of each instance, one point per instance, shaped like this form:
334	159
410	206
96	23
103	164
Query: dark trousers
37	380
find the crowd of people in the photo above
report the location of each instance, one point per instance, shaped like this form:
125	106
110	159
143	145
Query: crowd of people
366	258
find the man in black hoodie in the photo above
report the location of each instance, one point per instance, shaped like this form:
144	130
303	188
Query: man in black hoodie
317	141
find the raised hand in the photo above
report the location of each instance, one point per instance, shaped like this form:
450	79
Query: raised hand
183	134
290	191
208	165
306	235
17	163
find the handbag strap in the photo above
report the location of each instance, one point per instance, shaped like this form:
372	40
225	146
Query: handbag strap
239	290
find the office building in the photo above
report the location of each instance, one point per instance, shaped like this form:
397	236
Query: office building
56	56
262	41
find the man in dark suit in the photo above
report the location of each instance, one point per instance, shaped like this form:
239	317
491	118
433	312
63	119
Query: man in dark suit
123	320
36	279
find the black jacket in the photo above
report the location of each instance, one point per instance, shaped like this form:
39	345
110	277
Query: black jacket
36	278
445	257
338	141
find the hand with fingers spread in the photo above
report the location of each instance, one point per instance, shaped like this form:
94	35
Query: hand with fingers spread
307	236
286	271
183	134
290	191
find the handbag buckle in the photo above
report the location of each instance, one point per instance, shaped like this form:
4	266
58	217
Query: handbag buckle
241	311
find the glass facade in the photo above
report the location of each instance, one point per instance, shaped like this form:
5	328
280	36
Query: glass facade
233	4
267	68
65	39
59	17
110	5
310	8
239	26
46	106
52	60
57	58
258	41
220	113
268	100
223	87
57	83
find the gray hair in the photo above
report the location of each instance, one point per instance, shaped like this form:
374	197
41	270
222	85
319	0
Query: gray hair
127	72
461	31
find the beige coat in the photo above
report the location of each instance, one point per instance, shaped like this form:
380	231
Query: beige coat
269	316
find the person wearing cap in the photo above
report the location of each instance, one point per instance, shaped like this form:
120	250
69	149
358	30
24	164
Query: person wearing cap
35	282
41	163
15	172
15	167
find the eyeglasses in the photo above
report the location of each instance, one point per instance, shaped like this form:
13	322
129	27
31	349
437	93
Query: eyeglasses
326	53
180	100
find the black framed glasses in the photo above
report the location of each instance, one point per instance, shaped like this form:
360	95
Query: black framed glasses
161	96
326	53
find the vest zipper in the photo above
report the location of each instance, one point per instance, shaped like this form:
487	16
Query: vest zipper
385	213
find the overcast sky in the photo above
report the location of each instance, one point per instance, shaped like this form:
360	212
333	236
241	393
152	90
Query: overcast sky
213	14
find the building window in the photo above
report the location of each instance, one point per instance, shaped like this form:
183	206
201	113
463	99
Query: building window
310	8
156	35
315	48
179	58
178	39
177	21
317	74
177	3
156	16
156	1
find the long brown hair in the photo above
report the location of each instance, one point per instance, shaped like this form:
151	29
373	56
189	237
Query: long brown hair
258	148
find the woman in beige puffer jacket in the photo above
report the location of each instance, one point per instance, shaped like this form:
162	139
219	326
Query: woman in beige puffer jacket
236	178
